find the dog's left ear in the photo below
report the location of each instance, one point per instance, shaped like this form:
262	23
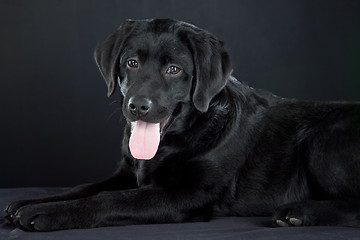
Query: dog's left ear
107	55
212	66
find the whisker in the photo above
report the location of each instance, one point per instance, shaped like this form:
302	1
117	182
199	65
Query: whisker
113	114
115	101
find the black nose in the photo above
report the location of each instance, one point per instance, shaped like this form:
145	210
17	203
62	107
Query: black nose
139	105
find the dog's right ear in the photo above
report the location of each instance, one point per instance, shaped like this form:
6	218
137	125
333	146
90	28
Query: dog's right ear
107	54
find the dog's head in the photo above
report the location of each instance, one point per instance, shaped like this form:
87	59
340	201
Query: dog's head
159	64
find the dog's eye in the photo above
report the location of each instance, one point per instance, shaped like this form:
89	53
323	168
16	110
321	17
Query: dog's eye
132	63
173	70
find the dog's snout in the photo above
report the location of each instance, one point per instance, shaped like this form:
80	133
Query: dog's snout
139	105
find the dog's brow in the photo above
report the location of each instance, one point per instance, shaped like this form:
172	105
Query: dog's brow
128	53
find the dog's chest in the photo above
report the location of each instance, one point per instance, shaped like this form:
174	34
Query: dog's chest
142	173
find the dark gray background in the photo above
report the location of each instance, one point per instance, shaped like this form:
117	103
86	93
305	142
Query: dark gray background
57	127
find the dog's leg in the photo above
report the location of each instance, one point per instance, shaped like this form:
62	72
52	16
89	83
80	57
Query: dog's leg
115	208
122	180
325	213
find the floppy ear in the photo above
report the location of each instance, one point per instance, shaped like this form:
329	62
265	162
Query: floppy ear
107	55
212	67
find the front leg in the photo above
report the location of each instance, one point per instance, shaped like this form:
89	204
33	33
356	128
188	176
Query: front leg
115	208
124	179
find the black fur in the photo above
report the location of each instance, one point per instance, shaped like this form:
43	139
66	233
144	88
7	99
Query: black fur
226	149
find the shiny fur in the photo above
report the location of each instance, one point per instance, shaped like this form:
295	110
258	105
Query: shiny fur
226	149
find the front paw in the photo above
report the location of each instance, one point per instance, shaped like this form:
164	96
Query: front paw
53	216
11	209
41	217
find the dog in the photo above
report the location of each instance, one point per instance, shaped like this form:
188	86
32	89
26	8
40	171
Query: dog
200	144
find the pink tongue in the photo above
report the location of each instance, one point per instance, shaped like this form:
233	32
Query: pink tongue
144	140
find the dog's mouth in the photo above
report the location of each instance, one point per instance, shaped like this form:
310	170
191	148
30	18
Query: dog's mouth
145	138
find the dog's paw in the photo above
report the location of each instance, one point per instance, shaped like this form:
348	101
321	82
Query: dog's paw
53	216
324	213
295	214
26	217
11	209
41	217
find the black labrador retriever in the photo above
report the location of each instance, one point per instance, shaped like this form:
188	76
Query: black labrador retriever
217	147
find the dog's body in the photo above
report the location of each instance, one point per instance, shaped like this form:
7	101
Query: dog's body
224	148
